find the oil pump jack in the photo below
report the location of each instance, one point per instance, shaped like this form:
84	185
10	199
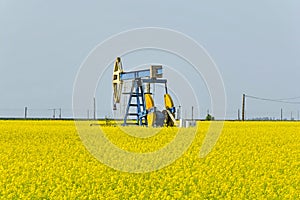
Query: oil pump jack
141	104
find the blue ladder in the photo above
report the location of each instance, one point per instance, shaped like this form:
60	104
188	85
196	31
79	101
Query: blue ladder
137	93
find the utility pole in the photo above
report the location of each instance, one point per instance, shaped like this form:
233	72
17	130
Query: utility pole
281	114
53	113
179	112
59	113
94	108
192	113
25	116
243	107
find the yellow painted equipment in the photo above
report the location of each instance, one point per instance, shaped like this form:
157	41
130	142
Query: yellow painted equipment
170	114
149	101
168	101
150	105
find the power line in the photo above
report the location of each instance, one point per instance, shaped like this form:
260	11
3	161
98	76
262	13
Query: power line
276	100
291	98
282	100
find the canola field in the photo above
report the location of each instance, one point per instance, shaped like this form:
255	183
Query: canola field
251	160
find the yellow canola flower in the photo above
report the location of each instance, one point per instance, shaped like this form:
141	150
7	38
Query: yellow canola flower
251	160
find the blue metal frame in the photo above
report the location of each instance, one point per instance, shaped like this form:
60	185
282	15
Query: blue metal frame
137	91
138	74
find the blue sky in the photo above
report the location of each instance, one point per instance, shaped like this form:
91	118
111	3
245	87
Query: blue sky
255	45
